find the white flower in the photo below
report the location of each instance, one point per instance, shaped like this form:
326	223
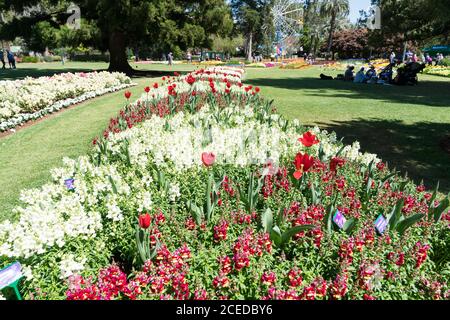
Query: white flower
70	266
174	192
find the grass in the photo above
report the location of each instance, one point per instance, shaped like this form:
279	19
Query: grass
403	125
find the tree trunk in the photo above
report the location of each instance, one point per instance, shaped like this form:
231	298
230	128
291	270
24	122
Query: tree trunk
117	53
330	36
249	47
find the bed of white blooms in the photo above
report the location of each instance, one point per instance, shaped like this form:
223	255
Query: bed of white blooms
33	98
52	215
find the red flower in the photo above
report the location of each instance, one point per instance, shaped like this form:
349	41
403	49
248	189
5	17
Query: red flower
257	89
308	139
155	85
335	163
302	162
145	220
147	89
127	94
194	93
208	158
176	74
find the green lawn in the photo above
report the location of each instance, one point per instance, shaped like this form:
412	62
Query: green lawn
403	125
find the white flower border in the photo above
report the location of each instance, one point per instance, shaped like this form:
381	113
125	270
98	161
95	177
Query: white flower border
22	118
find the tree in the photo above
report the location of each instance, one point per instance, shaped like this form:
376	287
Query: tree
333	9
351	43
250	17
170	24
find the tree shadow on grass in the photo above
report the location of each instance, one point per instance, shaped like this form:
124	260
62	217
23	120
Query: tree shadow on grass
426	93
22	73
416	149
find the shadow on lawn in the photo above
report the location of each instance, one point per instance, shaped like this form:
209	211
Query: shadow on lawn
428	93
416	149
21	73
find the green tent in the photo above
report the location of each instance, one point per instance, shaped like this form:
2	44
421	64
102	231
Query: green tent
434	50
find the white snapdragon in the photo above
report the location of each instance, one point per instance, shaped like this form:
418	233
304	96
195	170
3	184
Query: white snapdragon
70	265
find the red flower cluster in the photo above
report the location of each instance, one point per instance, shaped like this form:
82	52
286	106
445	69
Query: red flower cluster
295	278
220	231
248	245
420	253
339	288
268	278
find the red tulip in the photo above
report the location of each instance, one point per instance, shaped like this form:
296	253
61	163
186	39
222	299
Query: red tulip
208	158
155	85
335	163
127	94
176	74
147	89
145	220
302	162
308	139
257	89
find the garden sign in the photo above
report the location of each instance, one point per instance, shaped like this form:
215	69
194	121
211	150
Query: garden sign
10	277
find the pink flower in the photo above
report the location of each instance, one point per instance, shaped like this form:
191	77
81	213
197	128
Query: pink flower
208	158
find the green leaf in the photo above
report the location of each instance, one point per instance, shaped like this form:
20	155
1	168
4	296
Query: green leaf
439	210
431	204
349	225
287	235
113	184
396	213
408	222
195	211
267	220
275	235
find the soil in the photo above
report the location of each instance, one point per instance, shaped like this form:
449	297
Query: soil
445	144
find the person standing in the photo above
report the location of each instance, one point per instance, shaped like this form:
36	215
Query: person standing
170	58
392	57
2	59
11	59
189	57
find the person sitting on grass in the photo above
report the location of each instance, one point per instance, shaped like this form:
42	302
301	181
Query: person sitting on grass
349	75
360	76
371	74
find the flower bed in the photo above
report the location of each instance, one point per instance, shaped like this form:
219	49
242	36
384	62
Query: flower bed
33	98
200	190
438	71
297	64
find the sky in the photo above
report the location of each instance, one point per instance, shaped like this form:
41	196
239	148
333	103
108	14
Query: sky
356	6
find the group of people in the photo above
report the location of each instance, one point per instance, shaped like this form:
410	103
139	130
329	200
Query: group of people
362	76
10	57
412	57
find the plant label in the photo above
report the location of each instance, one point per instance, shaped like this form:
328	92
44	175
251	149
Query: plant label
69	184
10	274
381	224
339	219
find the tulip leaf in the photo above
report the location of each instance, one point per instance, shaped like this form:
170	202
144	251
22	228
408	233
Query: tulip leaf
349	225
275	236
439	210
287	235
396	213
267	220
406	223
